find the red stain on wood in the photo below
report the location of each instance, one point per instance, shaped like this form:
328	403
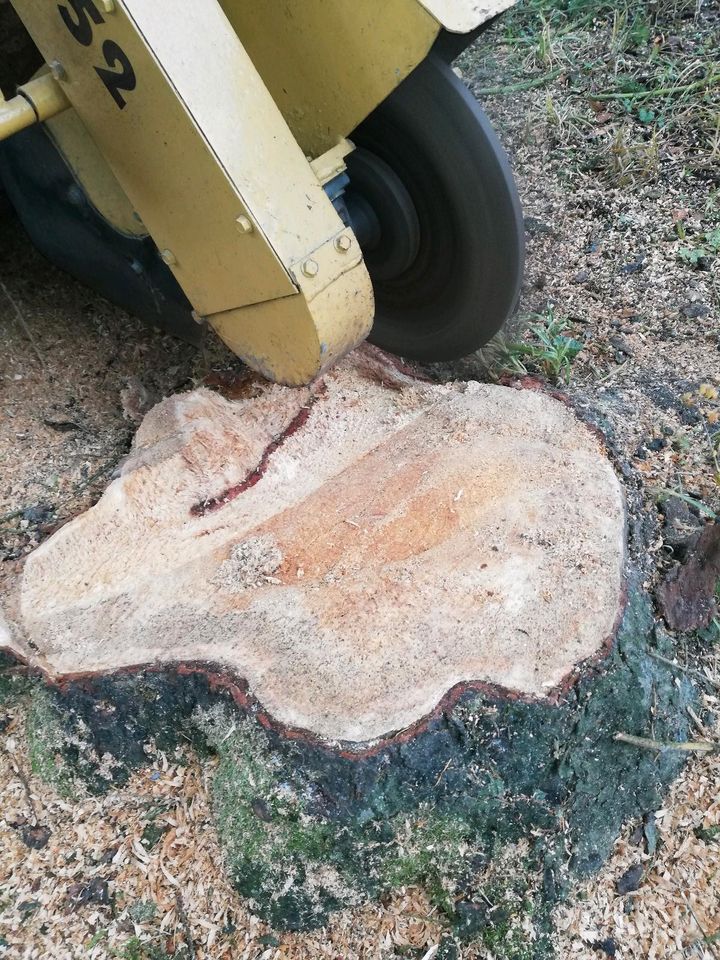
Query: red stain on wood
254	476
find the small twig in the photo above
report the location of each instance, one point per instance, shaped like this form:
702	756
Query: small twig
697	723
180	907
518	87
705	937
683	747
443	771
21	320
688	670
615	370
661	92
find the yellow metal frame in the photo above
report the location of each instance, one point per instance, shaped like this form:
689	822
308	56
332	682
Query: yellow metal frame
328	65
213	125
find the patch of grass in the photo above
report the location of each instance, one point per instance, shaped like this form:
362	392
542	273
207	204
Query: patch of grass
547	350
704	250
640	82
631	158
46	739
137	949
96	938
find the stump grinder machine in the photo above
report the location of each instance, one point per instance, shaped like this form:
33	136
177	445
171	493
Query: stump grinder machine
298	174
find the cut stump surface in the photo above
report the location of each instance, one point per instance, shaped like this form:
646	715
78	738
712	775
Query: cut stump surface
354	550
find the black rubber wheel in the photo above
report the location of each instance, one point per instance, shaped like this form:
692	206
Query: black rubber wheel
19	57
452	201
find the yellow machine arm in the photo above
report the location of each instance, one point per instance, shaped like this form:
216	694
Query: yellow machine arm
222	122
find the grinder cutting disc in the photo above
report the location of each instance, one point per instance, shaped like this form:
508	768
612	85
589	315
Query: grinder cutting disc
435	207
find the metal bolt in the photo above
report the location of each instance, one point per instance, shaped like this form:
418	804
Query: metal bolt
244	224
310	268
58	70
168	257
343	243
108	6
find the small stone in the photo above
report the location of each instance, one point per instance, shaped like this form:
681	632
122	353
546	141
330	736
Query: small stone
651	835
35	837
534	226
62	426
637	836
622	346
268	940
262	810
630	880
37	514
694	310
659	443
606	946
109	855
472	919
28	906
635	266
96	891
582	276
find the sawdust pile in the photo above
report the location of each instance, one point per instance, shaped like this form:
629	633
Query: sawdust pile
674	913
137	873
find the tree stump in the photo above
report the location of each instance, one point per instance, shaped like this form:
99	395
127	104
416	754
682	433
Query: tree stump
376	598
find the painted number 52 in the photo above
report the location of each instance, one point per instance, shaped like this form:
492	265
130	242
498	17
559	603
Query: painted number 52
80	17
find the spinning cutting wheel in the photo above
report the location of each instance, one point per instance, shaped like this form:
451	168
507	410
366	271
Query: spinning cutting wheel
433	202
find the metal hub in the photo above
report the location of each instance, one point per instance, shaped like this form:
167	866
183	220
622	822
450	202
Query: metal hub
383	216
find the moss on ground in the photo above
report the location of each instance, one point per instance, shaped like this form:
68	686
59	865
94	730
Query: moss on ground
279	856
47	743
14	684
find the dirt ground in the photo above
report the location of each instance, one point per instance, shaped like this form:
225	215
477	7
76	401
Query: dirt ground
620	214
